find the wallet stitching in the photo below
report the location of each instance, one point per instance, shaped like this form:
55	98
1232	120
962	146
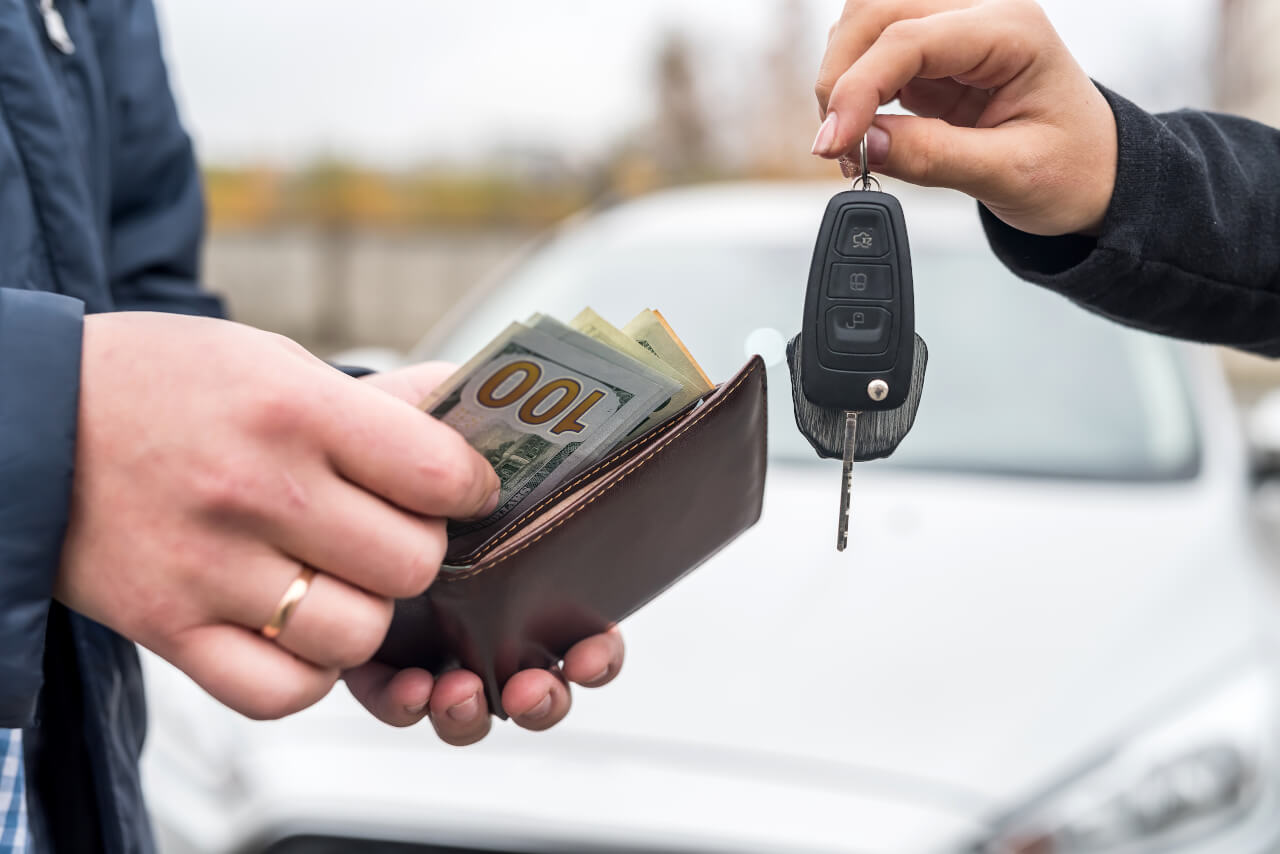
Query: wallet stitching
653	452
581	479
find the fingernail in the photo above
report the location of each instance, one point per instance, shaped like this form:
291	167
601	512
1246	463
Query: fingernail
599	677
826	139
539	711
491	504
416	710
465	711
877	145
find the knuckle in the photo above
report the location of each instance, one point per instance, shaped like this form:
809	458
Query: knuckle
920	161
225	490
287	344
449	475
281	698
425	563
903	31
278	410
1030	10
362	632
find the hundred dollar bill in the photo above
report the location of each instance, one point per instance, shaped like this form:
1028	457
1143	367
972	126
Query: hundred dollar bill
679	394
591	324
539	410
652	331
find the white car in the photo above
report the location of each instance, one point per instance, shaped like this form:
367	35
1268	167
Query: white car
1051	633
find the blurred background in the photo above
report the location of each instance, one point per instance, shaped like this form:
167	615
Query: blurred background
1057	629
367	167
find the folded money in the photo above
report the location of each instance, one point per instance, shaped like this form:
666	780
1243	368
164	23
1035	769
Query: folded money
545	400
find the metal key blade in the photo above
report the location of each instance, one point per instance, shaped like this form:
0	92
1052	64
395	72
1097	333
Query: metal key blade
846	478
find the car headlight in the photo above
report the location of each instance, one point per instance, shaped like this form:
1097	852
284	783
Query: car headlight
1192	774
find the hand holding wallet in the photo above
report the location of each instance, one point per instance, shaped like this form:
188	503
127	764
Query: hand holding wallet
601	546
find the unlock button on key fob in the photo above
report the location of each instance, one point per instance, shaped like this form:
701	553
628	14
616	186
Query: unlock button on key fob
859	330
860	282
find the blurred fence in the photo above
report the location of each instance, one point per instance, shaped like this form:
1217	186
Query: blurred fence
331	290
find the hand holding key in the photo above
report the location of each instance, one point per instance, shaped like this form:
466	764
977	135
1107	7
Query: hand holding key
1004	113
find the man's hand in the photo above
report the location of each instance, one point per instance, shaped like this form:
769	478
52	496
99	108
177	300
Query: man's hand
535	699
214	462
1003	111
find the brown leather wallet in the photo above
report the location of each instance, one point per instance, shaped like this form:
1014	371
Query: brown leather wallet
608	542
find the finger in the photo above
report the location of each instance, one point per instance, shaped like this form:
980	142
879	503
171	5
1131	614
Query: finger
333	626
247	672
954	103
414	383
350	534
336	625
392	449
536	699
932	153
395	697
858	28
595	661
971	45
459	712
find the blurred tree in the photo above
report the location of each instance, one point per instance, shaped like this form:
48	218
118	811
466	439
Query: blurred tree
324	197
240	198
1248	83
680	129
783	112
1249	69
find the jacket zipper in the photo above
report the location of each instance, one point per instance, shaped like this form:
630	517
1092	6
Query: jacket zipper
56	28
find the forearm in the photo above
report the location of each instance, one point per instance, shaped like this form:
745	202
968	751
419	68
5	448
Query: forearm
40	345
1190	246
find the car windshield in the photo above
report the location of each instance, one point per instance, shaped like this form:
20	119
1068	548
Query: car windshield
1019	381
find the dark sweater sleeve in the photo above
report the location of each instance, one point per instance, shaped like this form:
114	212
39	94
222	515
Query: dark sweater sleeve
39	406
1190	246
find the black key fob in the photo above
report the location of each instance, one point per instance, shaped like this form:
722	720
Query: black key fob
858	351
857	348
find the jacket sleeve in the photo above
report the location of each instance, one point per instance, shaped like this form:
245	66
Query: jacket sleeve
157	199
1190	246
39	403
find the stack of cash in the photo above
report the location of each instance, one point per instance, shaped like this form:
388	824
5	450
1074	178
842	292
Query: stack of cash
544	401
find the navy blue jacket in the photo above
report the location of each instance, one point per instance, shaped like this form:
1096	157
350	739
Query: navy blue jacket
100	209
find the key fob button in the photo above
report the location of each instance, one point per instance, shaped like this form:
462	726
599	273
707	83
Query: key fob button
863	234
859	330
860	281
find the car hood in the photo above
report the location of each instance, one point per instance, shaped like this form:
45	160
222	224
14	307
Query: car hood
979	638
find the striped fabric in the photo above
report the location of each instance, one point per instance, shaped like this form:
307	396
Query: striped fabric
13	800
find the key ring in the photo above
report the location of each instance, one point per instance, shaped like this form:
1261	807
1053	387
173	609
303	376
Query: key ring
863	173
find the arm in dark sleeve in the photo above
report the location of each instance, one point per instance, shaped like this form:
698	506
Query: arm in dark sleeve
40	335
1190	246
157	200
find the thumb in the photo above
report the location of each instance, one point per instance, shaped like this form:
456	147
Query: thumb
933	153
414	383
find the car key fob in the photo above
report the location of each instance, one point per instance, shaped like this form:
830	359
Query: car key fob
858	350
857	367
859	313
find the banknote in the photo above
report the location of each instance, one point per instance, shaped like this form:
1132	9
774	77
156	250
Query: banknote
692	384
591	324
652	331
607	341
540	409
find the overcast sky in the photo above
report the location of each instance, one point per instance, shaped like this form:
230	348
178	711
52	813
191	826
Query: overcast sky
398	81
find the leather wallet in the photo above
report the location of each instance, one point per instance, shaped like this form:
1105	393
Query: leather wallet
608	542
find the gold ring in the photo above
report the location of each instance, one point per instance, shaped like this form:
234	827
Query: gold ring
288	602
